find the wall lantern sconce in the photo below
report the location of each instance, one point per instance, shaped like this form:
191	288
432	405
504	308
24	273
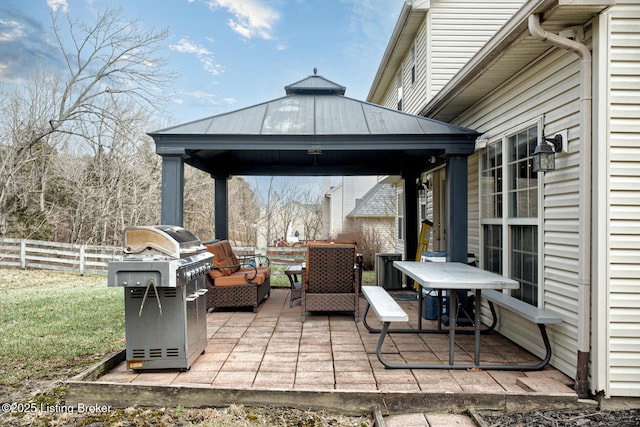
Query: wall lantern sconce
422	187
544	155
422	191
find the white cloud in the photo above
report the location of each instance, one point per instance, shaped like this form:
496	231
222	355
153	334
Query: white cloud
204	55
10	30
203	98
57	4
252	19
185	46
23	43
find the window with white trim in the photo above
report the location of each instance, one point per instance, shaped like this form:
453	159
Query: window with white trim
413	64
509	211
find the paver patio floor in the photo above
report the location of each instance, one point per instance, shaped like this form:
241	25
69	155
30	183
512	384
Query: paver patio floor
273	350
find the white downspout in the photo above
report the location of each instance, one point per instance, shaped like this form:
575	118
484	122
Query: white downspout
584	199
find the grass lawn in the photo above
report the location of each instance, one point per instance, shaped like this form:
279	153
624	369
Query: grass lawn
54	323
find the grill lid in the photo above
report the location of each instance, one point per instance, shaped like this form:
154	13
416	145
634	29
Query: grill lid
170	240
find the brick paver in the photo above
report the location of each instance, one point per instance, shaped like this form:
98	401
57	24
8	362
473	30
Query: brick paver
273	349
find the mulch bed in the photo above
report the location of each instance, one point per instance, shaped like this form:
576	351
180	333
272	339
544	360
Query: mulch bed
584	418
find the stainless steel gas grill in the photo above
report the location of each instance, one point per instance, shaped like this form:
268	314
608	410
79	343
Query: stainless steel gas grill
163	275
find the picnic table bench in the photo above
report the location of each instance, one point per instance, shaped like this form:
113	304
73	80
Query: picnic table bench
387	310
527	311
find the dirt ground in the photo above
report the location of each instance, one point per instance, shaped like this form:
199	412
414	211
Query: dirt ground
41	403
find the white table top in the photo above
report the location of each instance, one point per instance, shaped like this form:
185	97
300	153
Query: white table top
453	275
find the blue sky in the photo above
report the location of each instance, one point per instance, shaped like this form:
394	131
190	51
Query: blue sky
229	54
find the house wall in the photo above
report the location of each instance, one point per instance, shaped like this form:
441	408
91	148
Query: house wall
547	90
452	32
458	30
381	227
415	94
473	212
617	202
340	200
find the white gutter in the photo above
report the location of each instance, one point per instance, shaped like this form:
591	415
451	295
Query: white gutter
584	198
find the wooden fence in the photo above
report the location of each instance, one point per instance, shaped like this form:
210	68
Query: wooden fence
25	253
37	254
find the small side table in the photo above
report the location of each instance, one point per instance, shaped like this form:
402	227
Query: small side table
296	286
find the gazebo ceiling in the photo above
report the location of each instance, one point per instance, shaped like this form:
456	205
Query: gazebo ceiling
314	130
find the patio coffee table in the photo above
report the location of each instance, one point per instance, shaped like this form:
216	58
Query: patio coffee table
292	272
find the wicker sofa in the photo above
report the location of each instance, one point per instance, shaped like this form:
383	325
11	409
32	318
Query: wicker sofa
237	281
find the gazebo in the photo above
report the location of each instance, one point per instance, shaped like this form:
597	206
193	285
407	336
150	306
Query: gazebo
314	130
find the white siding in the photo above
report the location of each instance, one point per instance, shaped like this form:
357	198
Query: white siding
384	229
624	201
547	88
458	30
415	93
390	99
473	212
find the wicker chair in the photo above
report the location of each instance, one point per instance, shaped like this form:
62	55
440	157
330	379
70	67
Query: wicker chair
331	279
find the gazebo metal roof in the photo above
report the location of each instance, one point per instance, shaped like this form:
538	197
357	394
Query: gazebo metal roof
314	130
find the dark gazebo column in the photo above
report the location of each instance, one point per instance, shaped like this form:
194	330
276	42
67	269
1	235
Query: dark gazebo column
457	195
221	208
410	215
172	188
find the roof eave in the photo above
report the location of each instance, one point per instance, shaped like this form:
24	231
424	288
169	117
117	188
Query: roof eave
392	53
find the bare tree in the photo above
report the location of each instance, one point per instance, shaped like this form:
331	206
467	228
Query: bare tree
244	213
310	214
108	64
112	59
24	166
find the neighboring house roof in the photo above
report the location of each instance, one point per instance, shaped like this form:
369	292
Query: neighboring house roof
380	201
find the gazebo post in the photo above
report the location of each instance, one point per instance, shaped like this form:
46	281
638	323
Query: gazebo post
172	188
456	185
410	215
410	218
221	208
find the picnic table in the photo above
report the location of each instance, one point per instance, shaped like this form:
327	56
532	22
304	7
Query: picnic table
449	276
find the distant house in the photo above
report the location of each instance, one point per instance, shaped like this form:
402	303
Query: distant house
375	214
521	73
288	224
339	200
